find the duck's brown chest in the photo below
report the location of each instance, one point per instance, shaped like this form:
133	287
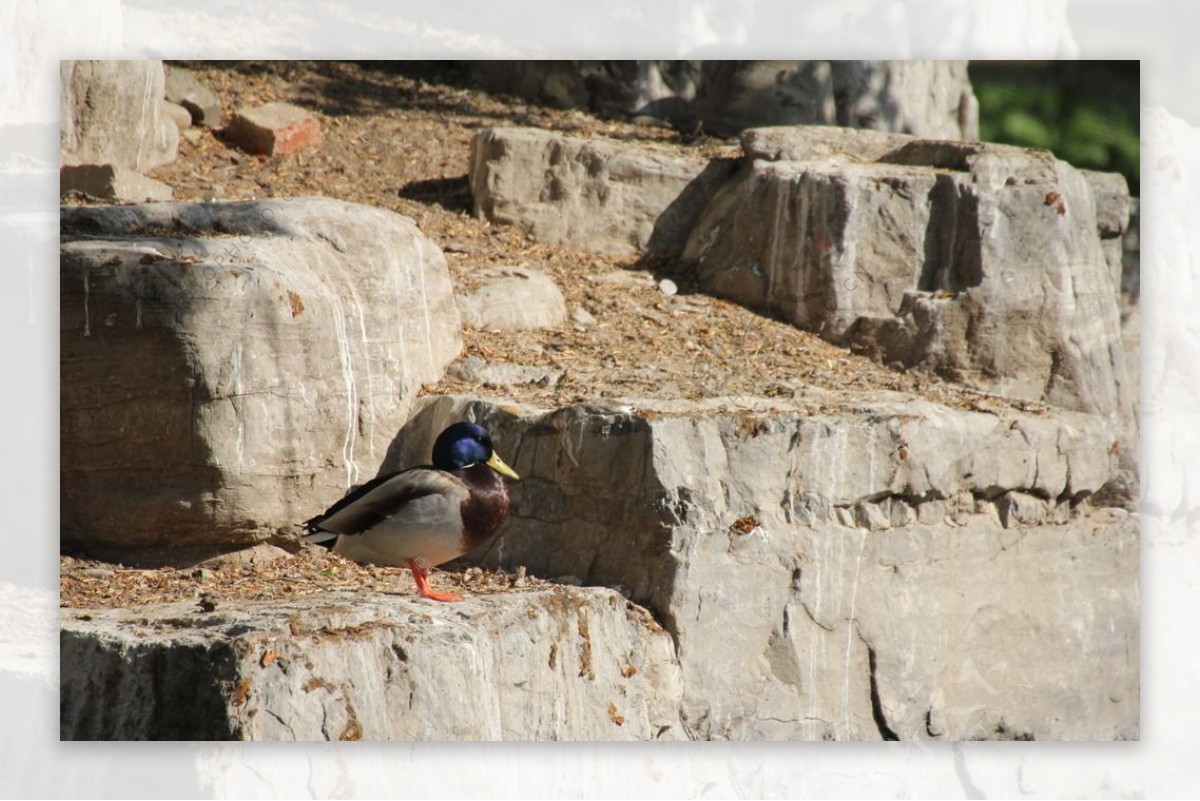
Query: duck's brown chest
486	506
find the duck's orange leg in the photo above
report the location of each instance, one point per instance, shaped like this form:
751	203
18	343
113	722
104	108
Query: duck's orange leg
422	577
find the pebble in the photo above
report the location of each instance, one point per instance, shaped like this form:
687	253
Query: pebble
181	116
668	287
581	316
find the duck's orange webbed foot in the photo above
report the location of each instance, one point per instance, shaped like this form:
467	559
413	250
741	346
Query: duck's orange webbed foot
421	574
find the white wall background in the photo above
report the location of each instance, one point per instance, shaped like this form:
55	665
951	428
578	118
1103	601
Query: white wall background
34	34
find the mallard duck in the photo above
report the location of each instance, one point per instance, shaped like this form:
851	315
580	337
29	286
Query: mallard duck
423	516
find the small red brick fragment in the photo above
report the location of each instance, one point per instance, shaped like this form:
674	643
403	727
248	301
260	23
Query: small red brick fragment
274	129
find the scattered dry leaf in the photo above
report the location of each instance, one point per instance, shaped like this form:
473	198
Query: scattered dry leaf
744	525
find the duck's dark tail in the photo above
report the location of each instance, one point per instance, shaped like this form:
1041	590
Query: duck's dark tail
314	534
320	537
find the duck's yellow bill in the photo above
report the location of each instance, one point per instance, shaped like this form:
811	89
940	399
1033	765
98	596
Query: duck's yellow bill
497	464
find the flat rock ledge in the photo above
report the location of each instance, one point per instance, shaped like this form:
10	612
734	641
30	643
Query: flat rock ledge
832	567
848	567
559	663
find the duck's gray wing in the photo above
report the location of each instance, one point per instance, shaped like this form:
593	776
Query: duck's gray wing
382	497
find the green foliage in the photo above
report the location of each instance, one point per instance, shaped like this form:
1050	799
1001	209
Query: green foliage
1089	120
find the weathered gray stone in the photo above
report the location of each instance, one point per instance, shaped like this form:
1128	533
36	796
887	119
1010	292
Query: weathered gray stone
931	99
811	510
735	95
980	262
178	114
582	317
1112	218
871	516
1021	509
110	114
901	513
1112	202
229	369
107	182
593	194
986	507
549	664
817	142
514	299
930	513
661	90
804	628
994	266
477	370
927	98
185	89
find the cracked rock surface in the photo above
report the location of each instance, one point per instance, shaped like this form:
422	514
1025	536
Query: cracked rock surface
936	590
548	664
822	574
228	359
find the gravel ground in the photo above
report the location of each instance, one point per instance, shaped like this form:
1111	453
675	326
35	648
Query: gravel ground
400	141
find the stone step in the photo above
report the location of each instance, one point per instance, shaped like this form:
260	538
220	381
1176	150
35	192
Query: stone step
553	664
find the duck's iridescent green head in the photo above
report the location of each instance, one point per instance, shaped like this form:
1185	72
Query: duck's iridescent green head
465	444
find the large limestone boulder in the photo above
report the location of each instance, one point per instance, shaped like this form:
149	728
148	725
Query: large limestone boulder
547	664
994	266
201	103
859	567
925	98
931	99
228	369
984	263
111	114
592	194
